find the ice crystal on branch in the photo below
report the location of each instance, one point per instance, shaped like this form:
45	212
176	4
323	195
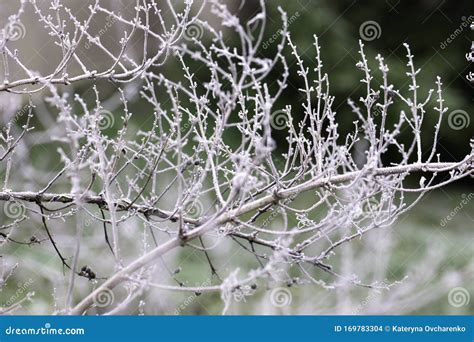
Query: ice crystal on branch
199	166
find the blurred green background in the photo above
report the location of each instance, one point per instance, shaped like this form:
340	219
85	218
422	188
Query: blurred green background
435	253
425	25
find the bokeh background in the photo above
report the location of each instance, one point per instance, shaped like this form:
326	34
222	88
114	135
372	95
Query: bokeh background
429	250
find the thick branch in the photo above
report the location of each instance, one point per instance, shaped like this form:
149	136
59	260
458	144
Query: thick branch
30	196
229	215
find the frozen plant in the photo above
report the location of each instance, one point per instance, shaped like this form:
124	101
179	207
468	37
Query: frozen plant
470	58
197	168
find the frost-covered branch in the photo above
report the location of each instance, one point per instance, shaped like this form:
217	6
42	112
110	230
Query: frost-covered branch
196	166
